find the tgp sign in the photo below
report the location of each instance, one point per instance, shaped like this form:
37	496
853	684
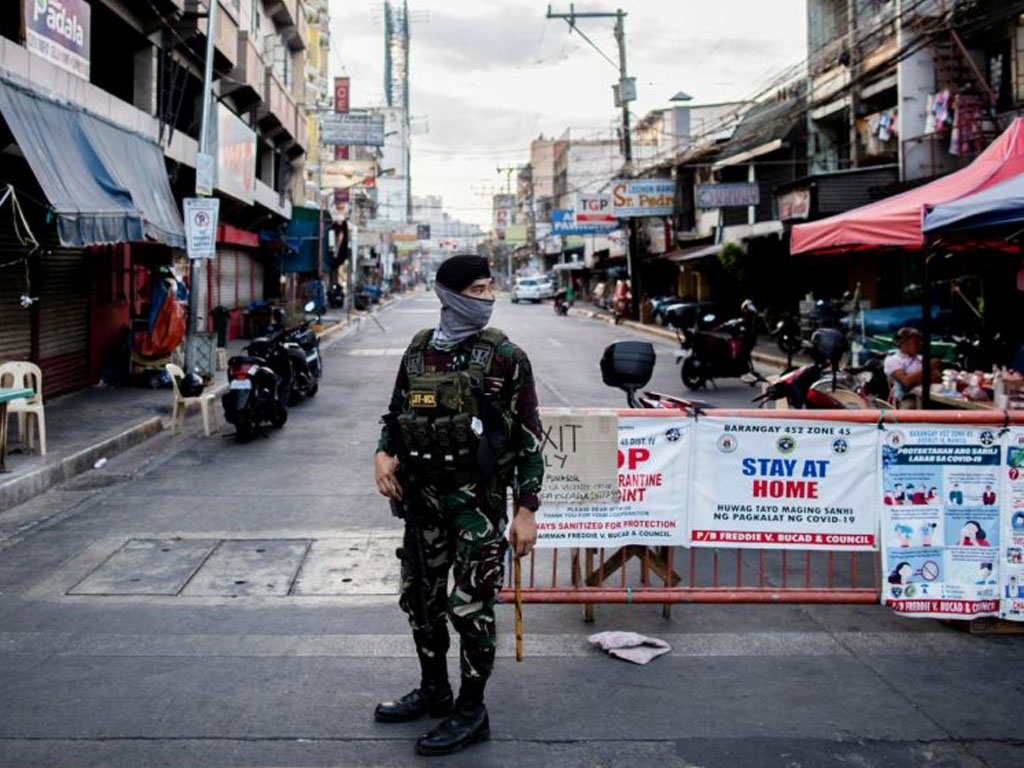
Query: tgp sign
594	208
58	31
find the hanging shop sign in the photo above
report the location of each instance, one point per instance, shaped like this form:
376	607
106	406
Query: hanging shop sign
794	205
643	197
363	129
565	221
234	146
58	31
595	208
731	195
940	520
768	484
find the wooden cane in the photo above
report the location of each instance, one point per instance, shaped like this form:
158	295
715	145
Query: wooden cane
517	570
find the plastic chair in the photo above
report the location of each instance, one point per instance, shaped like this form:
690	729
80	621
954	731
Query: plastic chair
17	373
207	403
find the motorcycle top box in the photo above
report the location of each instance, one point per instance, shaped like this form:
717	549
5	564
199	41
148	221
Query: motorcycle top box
628	364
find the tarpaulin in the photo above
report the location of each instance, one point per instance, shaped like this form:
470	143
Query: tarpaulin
896	222
106	184
996	206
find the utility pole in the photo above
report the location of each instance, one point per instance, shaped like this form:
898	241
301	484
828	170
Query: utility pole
204	148
625	92
508	170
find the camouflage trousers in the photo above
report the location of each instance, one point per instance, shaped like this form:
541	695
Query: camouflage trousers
456	536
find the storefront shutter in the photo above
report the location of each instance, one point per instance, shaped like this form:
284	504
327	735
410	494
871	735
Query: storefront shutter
64	321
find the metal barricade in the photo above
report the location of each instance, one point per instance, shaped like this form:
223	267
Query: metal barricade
667	575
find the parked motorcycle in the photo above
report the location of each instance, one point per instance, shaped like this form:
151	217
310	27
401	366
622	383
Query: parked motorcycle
259	386
303	347
822	385
722	352
628	365
336	296
788	337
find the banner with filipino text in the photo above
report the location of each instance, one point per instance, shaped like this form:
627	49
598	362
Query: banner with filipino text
940	520
653	457
1012	538
773	484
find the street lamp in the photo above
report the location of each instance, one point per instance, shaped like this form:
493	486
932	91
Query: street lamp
681	96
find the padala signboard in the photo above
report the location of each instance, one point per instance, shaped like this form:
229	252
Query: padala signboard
58	30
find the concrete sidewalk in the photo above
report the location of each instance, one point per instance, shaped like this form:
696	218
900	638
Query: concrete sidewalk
101	422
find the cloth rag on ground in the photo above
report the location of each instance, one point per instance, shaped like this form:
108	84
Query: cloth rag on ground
630	646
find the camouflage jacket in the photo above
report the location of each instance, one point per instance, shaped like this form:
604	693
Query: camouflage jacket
510	383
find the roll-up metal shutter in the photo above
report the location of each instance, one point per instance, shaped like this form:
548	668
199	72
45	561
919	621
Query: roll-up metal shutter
228	278
15	322
63	317
244	278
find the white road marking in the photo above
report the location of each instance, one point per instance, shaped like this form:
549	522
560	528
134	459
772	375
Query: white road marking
377	352
555	342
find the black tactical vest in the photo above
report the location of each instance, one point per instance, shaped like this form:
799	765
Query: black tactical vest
444	418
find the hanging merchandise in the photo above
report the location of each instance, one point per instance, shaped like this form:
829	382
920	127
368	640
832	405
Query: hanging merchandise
939	113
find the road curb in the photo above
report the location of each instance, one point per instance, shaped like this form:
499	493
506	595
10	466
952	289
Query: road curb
31	484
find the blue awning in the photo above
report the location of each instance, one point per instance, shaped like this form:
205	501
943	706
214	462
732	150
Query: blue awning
301	236
106	184
1000	205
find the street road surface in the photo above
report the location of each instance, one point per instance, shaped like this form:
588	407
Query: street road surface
197	602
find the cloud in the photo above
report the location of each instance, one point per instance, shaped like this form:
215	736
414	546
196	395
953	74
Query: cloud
490	41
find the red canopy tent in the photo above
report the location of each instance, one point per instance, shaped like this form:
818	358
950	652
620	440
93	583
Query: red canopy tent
896	221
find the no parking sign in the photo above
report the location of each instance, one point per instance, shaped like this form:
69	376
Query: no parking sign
201	215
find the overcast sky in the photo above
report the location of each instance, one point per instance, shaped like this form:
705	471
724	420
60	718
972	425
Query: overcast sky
487	76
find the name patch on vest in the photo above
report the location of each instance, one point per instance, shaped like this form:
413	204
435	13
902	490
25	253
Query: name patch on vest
423	399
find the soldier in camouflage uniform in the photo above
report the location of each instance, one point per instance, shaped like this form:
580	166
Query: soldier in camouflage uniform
462	390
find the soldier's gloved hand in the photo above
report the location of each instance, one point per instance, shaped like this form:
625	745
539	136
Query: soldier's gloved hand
384	468
523	533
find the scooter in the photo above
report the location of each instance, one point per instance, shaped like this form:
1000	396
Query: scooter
303	349
628	365
259	386
721	352
810	387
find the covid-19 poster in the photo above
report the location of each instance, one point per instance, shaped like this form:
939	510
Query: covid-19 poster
774	484
653	456
940	519
1012	538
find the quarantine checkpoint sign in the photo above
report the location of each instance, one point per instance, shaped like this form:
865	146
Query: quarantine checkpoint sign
773	484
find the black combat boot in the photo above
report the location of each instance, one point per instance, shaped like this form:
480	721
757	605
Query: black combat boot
429	699
434	696
466	725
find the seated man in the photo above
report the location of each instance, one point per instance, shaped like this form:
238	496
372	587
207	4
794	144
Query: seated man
903	368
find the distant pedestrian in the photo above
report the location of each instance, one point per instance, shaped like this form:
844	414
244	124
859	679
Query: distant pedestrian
462	423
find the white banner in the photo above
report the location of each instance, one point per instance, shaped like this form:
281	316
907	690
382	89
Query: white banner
1012	539
653	458
773	484
940	520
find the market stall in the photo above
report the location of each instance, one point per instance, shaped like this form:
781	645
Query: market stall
896	223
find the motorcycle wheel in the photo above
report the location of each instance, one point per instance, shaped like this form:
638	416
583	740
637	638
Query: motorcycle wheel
280	416
313	388
691	374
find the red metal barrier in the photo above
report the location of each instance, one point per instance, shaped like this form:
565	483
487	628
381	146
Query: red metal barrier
725	575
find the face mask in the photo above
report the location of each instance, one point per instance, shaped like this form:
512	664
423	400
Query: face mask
461	315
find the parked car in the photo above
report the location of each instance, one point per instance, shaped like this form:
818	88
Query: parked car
532	289
690	315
